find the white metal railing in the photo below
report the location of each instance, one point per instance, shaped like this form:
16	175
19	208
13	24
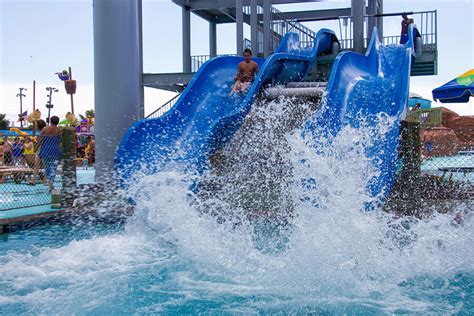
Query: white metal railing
280	26
426	22
197	61
163	108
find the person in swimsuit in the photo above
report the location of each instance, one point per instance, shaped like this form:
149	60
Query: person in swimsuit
405	22
246	72
7	147
29	152
50	150
38	163
17	149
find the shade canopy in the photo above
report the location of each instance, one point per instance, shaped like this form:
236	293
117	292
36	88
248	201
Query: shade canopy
458	90
423	103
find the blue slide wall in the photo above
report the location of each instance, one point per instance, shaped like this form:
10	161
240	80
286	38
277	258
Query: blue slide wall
360	90
206	116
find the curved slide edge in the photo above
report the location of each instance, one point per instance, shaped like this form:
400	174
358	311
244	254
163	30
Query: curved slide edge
360	91
206	116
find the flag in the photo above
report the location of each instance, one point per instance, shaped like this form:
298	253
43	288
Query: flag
22	116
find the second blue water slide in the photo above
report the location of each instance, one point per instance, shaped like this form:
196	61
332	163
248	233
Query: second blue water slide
206	116
361	91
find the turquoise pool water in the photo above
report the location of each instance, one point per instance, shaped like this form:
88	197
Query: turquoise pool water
331	257
432	166
135	269
16	196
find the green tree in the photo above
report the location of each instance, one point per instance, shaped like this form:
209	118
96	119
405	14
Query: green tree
4	123
90	113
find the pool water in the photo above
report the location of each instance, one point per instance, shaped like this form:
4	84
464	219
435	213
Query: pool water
175	256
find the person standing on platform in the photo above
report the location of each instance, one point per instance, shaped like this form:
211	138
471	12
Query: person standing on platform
405	23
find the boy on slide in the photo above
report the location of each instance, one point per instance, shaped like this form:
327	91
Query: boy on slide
246	72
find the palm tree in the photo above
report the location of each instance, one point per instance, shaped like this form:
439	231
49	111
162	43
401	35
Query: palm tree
90	113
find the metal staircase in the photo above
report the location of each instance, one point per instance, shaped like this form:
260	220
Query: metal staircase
279	26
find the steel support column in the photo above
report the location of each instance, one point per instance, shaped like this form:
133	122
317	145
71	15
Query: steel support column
186	33
253	26
372	21
239	23
358	12
117	76
380	19
266	28
212	39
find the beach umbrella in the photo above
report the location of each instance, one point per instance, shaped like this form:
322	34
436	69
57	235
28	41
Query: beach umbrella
458	90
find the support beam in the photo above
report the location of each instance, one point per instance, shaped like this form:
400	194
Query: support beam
213	4
253	27
239	24
358	12
380	19
309	15
167	81
212	39
266	28
117	77
372	21
186	33
140	43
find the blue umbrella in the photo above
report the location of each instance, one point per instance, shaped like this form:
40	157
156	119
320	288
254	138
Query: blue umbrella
458	90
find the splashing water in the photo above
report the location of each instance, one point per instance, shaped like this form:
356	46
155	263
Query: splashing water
208	251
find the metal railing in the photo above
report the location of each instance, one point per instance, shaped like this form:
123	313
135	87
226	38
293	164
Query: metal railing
426	117
163	108
197	61
446	151
279	26
426	22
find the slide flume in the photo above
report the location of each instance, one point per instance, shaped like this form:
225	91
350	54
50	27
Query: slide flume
362	91
205	117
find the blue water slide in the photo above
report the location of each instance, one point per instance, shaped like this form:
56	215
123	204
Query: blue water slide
361	90
206	116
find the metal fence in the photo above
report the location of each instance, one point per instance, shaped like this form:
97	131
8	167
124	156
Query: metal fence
36	171
446	151
459	166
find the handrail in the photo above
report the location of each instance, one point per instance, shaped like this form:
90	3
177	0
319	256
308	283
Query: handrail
428	32
295	24
280	26
164	107
426	117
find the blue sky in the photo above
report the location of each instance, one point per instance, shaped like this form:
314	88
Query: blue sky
40	37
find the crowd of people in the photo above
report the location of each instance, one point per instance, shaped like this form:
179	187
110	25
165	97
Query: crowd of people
42	152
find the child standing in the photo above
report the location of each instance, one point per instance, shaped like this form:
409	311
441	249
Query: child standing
17	150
